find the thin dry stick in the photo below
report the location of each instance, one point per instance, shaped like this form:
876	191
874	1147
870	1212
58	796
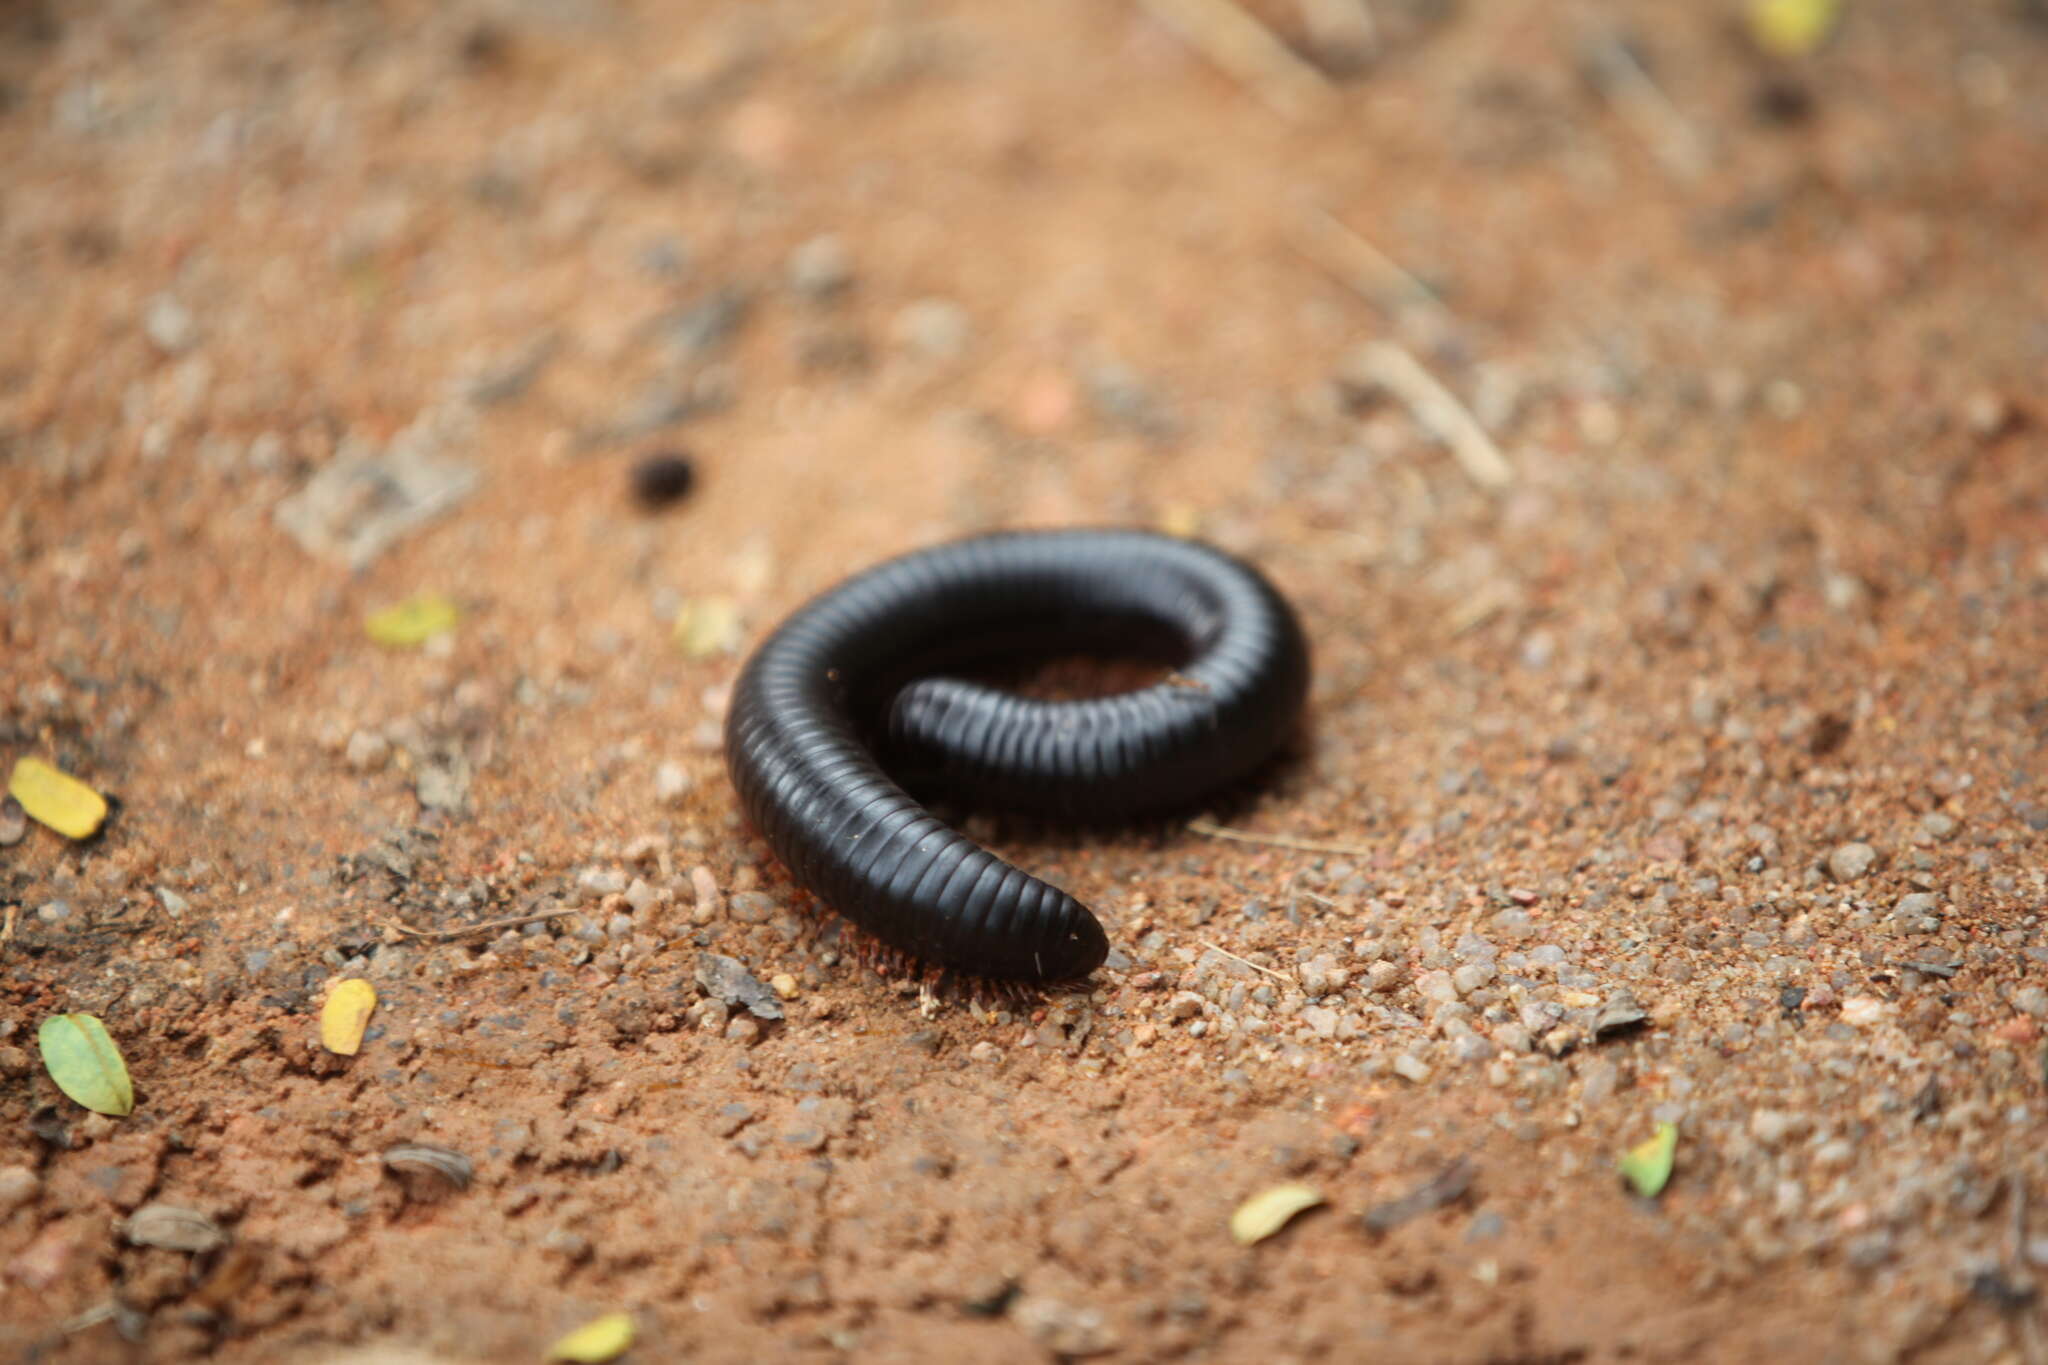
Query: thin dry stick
1643	103
1360	266
1438	409
1247	49
1219	948
1245	836
443	935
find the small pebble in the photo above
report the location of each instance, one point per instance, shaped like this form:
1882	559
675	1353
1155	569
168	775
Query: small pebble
820	269
2031	1000
18	1185
783	984
671	782
742	1030
935	329
1411	1068
662	479
13	822
709	902
1382	977
169	326
366	752
1851	861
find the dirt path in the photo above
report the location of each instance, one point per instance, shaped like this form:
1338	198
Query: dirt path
1694	771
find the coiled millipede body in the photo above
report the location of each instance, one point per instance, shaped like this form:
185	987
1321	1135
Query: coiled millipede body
859	698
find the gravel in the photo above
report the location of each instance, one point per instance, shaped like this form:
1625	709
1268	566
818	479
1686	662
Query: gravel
1850	862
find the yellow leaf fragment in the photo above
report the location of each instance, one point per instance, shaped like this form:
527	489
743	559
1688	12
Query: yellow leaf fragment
414	621
1270	1210
85	1064
707	626
596	1341
345	1015
57	799
1792	28
1647	1165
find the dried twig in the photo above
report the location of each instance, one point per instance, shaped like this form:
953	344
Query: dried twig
1247	49
1215	831
1362	267
1645	106
1219	948
1437	408
463	931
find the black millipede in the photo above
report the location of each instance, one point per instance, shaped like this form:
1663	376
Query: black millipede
863	696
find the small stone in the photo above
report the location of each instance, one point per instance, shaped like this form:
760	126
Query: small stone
1861	1011
18	1185
1320	1020
1851	861
709	902
783	984
174	904
820	269
742	1030
752	907
54	912
1409	1067
1597	1082
174	1228
984	1052
1937	824
1916	906
671	782
1987	414
1382	977
1471	977
366	751
2031	1000
1773	1126
728	981
1062	1329
169	326
642	897
1321	976
936	329
1184	1005
13	822
1437	986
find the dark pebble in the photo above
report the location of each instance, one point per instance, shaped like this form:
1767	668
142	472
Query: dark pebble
662	479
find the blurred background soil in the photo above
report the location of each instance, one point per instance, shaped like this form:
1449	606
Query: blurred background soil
1682	731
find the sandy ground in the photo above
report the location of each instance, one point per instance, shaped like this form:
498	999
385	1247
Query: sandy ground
1691	774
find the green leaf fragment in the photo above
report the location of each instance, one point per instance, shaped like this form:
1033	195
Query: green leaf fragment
85	1063
412	622
1647	1165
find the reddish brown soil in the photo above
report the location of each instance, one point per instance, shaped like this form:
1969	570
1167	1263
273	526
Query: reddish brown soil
1767	360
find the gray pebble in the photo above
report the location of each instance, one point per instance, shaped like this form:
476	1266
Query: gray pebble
54	912
936	329
168	324
2031	1000
13	822
1851	861
1937	824
820	269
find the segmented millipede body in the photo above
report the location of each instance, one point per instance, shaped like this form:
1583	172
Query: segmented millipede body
860	698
